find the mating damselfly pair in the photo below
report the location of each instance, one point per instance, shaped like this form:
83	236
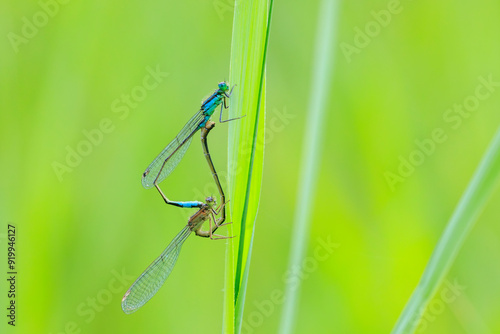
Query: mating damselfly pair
151	280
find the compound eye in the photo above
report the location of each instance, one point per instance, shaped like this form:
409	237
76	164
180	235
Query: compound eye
223	86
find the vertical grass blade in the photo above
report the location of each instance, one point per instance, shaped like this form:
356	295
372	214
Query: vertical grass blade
475	197
311	154
246	147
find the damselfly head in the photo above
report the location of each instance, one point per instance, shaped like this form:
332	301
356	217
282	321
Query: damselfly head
210	201
223	86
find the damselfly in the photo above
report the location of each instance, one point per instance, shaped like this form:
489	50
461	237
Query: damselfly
171	155
151	280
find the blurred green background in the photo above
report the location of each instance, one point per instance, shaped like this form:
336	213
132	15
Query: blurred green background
85	233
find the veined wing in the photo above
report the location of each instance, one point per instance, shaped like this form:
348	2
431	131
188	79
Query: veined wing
151	280
171	155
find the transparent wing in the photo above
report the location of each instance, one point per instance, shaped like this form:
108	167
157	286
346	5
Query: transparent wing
151	280
171	155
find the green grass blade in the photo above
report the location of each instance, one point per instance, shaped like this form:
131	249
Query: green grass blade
246	147
475	197
311	155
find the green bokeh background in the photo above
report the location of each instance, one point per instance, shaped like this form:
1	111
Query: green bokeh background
75	235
